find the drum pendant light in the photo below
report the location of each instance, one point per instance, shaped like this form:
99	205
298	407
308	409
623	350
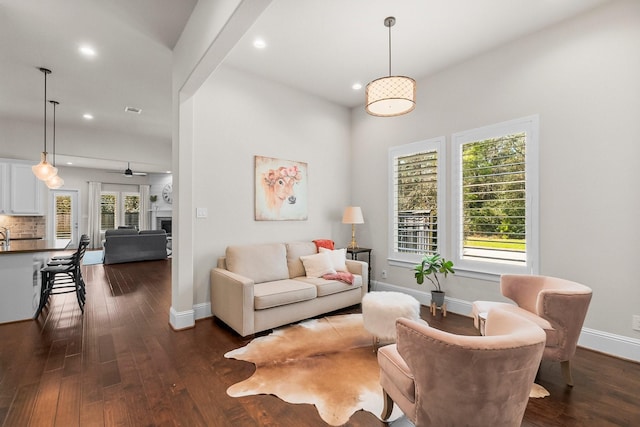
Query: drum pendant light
393	95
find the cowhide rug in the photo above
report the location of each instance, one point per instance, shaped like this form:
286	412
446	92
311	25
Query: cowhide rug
326	362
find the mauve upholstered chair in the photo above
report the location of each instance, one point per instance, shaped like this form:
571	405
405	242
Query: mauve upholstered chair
558	306
443	379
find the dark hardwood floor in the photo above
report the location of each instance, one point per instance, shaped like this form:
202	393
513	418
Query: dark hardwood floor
121	364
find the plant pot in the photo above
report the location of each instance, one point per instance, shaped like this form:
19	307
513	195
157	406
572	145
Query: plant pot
437	297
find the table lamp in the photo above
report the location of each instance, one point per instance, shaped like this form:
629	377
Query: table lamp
353	215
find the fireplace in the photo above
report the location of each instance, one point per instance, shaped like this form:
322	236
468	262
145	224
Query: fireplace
164	223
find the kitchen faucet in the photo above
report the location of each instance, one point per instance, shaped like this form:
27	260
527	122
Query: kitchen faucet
4	231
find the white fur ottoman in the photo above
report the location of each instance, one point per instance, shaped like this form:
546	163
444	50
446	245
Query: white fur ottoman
381	309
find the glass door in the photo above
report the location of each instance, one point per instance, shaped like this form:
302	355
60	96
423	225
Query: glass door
64	206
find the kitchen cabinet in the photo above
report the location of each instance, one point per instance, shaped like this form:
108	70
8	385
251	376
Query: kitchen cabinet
20	191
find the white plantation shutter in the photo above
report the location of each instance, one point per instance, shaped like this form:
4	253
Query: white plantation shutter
415	192
108	211
496	229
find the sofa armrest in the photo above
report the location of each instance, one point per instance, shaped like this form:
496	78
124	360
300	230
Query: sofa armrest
232	300
361	268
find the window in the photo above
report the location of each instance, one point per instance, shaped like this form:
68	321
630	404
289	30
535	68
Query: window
108	211
416	192
118	209
131	209
62	218
496	188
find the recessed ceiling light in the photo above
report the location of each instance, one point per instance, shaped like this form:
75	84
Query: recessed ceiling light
356	86
88	116
87	50
69	163
133	110
259	44
168	172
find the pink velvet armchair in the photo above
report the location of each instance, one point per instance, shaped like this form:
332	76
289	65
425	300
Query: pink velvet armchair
558	306
443	379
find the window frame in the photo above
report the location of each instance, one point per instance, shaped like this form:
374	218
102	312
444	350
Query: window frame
439	144
530	126
123	198
119	209
115	209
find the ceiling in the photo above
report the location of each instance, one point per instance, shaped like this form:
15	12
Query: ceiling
133	40
324	47
321	47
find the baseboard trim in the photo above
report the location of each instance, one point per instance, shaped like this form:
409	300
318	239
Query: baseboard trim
202	311
612	344
603	342
181	319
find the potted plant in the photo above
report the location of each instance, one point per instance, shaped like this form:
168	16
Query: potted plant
429	268
153	198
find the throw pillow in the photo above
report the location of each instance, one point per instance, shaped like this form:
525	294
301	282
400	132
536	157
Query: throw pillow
317	265
338	258
323	243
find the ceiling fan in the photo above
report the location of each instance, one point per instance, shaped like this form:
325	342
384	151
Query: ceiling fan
129	173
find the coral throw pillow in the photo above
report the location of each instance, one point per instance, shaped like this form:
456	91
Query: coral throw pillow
324	243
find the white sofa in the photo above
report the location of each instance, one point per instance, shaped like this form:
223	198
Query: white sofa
259	287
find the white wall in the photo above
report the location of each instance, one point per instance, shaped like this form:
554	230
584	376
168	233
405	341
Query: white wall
581	77
157	183
238	116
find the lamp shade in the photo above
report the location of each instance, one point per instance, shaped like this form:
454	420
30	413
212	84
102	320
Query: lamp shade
43	170
55	182
391	96
352	215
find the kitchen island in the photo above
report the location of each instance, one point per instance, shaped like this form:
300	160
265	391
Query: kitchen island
20	264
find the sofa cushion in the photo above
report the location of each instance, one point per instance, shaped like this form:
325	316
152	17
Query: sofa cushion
338	258
261	263
317	265
294	251
120	232
152	232
282	292
329	287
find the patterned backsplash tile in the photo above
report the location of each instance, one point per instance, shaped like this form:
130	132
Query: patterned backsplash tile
23	227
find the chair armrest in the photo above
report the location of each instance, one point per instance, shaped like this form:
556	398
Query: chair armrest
522	289
361	268
232	300
565	311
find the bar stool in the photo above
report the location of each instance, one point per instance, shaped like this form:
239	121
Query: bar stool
61	259
64	276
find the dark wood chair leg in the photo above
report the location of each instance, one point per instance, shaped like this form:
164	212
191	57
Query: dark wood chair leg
388	406
566	372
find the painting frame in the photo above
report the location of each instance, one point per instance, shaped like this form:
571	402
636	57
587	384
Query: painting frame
281	189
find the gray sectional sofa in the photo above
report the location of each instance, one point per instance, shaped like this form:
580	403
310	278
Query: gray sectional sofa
263	286
129	245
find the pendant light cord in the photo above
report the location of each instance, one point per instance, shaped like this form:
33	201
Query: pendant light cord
45	71
54	131
54	135
45	111
389	50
